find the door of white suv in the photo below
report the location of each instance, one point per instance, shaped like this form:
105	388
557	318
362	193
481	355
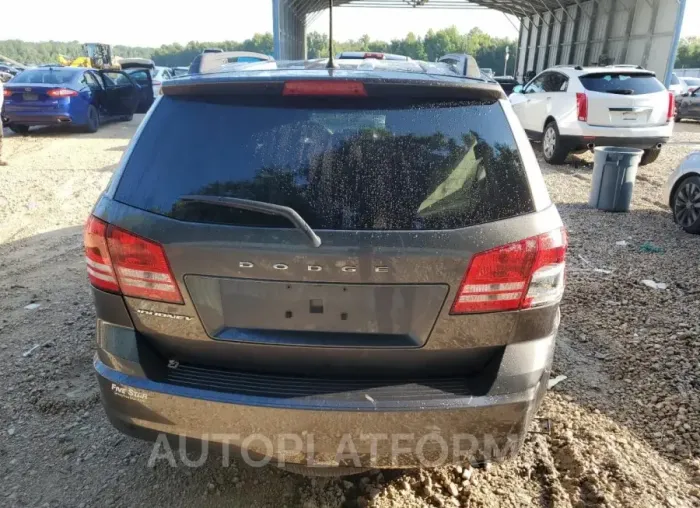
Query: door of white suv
545	96
527	104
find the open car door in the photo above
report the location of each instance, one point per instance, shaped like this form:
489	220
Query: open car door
145	81
122	94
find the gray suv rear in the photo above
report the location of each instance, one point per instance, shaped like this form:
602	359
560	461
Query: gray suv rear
341	256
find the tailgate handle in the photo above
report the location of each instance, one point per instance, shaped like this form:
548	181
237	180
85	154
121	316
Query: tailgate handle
262	207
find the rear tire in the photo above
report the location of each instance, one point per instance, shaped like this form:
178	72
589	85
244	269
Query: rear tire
93	121
19	129
552	148
685	204
650	156
126	118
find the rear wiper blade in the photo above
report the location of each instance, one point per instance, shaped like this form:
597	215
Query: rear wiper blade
623	91
259	206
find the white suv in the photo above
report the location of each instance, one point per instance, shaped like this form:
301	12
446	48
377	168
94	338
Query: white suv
576	108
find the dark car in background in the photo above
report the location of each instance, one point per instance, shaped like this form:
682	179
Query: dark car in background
328	256
142	71
688	105
508	83
691	83
73	96
8	69
180	71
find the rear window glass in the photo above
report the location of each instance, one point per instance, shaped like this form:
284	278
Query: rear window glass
46	76
620	83
400	166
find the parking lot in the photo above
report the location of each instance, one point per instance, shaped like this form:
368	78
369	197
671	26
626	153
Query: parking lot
623	428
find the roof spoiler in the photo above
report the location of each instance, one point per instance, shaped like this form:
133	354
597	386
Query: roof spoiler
211	62
466	64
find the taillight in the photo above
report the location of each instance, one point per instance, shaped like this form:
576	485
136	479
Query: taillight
325	88
61	92
99	265
520	275
6	92
141	266
157	83
547	282
671	107
121	262
582	106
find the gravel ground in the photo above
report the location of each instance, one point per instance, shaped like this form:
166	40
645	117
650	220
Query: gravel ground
623	428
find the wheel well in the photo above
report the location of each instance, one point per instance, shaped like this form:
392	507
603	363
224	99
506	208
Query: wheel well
675	187
549	119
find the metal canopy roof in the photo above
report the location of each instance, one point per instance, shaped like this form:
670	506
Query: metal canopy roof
518	8
515	7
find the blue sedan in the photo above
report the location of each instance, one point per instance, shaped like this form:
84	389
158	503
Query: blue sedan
69	96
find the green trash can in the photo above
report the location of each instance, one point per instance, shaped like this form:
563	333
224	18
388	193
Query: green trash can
614	173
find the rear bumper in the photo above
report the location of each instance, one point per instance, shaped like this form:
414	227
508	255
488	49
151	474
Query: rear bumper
644	143
580	134
293	420
36	118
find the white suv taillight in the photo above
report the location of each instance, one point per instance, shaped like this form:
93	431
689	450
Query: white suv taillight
582	106
121	262
519	275
671	107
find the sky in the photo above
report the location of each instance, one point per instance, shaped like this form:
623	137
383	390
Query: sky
152	23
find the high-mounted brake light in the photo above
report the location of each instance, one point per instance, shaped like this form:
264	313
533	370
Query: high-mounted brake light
671	107
121	262
520	275
324	88
6	92
61	92
582	106
378	56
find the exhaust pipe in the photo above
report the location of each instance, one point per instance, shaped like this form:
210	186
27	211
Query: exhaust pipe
591	146
658	146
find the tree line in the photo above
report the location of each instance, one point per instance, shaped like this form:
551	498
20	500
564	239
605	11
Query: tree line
688	53
489	51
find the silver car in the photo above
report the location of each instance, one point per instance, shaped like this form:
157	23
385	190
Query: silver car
683	191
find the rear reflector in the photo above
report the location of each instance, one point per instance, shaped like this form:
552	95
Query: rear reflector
325	88
121	262
671	107
528	273
61	92
582	106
